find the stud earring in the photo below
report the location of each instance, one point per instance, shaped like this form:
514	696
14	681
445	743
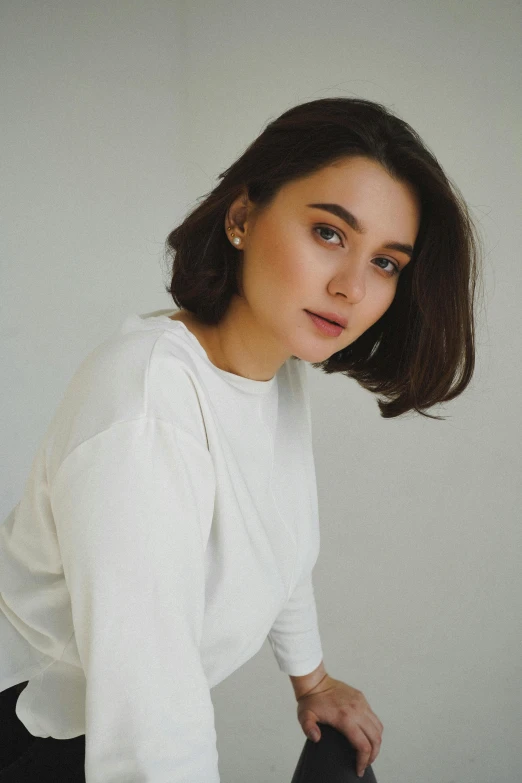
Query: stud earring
236	240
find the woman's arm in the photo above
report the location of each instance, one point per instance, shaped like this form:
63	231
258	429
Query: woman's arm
307	682
129	506
294	635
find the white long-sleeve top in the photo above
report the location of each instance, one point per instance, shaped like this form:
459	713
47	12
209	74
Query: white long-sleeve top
168	525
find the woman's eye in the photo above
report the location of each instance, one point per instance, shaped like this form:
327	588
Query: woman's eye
331	231
394	267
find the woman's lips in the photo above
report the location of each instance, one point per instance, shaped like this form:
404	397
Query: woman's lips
335	318
324	326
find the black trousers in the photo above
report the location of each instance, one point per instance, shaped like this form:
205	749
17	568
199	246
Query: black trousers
28	759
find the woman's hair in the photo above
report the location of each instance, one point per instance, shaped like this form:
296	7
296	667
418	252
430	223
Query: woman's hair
421	351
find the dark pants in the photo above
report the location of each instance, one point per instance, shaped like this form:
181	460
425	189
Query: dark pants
28	759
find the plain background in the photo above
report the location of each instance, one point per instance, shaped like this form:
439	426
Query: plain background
116	117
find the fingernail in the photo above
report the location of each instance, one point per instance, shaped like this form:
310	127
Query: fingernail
314	735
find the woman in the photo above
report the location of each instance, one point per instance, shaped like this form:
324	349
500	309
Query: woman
169	524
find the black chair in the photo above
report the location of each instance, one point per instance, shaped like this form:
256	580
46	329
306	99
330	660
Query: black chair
331	760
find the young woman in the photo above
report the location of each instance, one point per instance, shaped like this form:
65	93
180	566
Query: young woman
169	524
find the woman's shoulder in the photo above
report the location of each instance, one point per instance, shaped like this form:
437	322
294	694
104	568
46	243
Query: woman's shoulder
134	374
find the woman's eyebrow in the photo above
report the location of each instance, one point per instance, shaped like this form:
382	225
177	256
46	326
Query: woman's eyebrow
351	220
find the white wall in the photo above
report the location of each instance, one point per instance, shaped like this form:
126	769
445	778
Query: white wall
117	117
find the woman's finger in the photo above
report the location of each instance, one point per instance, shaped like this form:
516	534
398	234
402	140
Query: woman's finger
374	732
377	721
362	744
375	738
376	741
364	706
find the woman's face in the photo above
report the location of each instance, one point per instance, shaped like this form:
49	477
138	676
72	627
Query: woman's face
299	258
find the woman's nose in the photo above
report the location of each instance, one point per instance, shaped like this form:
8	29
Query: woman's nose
351	282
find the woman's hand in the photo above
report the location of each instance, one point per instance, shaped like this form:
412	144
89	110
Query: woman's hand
346	709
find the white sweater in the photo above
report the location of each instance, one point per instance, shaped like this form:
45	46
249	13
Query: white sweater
169	524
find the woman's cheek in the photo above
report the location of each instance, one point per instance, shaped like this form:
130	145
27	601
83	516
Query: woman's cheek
297	268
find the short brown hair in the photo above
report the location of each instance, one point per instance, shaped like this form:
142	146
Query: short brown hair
421	351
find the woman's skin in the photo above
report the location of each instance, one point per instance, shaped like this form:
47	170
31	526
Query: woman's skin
293	262
290	266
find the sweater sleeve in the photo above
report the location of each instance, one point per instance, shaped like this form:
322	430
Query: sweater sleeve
294	636
132	506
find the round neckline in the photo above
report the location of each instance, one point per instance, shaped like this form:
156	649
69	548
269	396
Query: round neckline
246	384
